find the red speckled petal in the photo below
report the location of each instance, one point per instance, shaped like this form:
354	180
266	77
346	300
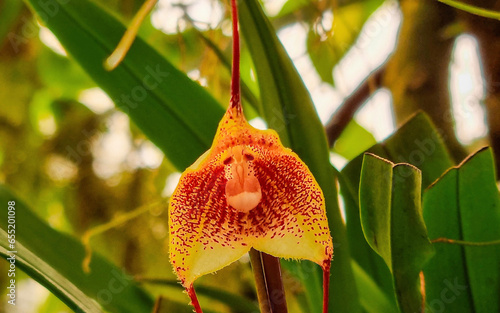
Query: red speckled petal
203	229
206	233
290	221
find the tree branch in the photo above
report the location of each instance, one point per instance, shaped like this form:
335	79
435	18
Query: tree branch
344	114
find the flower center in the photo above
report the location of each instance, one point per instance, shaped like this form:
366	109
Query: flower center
242	188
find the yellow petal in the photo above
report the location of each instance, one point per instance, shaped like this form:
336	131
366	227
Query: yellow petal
246	191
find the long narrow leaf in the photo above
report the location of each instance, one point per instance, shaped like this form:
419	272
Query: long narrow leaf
54	260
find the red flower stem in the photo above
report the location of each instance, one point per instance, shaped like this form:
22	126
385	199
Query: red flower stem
235	102
194	299
326	288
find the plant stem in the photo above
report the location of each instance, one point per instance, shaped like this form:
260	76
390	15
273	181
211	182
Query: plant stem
472	9
194	300
260	281
115	222
344	114
128	38
466	243
274	282
268	281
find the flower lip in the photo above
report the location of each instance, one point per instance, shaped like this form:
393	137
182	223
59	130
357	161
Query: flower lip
243	191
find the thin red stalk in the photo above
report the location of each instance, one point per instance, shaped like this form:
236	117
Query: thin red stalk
326	288
235	102
194	299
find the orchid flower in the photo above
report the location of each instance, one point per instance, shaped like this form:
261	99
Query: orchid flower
247	191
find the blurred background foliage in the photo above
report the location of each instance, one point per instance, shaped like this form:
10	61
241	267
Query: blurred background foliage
80	163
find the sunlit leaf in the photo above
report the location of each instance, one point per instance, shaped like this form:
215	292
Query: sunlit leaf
354	140
292	6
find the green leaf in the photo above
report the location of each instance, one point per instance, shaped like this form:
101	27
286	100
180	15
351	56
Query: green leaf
288	108
464	204
326	50
393	225
54	260
416	142
177	114
353	141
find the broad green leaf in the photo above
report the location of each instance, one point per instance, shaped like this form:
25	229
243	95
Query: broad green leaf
393	225
416	142
54	260
177	114
288	108
327	49
464	204
353	141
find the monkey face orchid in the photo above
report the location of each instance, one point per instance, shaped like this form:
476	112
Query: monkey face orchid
247	191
